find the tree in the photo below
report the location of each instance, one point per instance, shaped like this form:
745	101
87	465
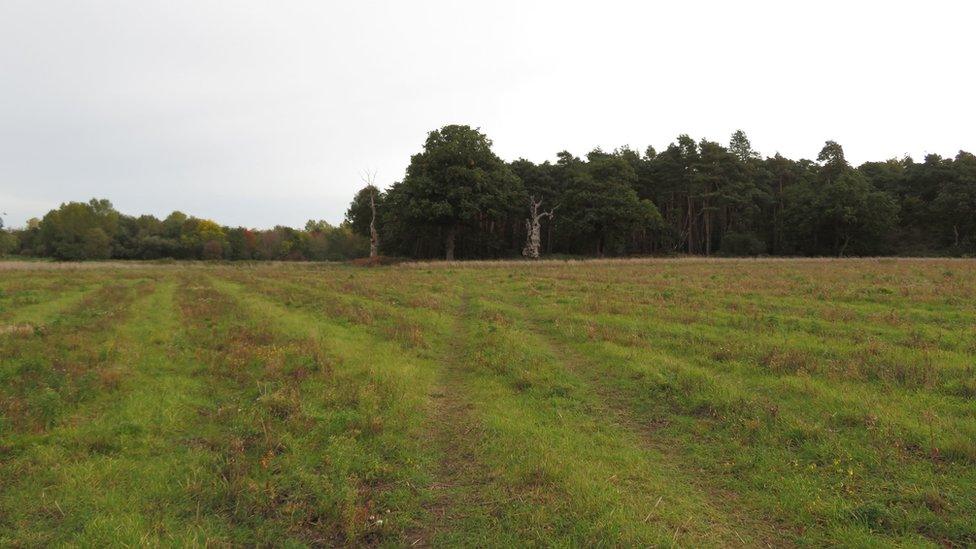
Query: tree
326	242
458	199
671	180
716	175
539	182
832	160
774	179
203	238
374	236
69	233
240	243
533	228
852	212
741	147
173	224
955	205
456	182
8	243
799	220
97	244
601	211
362	213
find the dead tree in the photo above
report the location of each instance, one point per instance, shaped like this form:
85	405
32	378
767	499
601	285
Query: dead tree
374	236
532	228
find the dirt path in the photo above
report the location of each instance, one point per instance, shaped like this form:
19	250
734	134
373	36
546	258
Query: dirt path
460	478
749	531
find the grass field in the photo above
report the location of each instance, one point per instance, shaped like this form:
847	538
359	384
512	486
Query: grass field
660	402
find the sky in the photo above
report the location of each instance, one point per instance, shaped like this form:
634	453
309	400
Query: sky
260	113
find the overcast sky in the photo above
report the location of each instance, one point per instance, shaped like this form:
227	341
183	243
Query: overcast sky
260	113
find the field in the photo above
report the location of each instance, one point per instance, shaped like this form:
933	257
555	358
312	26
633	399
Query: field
653	402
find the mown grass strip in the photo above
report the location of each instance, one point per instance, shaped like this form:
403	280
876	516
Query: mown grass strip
604	480
45	372
776	436
496	482
112	473
659	404
739	360
42	310
359	424
48	401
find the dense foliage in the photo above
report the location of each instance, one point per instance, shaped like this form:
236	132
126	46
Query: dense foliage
459	199
692	198
95	230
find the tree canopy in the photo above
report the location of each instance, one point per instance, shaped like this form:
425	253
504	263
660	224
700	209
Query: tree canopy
95	230
458	199
455	186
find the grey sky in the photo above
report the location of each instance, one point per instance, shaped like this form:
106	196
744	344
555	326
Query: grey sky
260	112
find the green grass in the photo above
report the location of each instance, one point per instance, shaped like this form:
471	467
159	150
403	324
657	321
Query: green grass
660	402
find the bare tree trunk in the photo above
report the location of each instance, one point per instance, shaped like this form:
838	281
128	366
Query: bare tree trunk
778	217
374	237
533	232
531	248
449	242
847	240
549	237
708	229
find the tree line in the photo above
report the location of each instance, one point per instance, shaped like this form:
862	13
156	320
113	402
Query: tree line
96	230
458	199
